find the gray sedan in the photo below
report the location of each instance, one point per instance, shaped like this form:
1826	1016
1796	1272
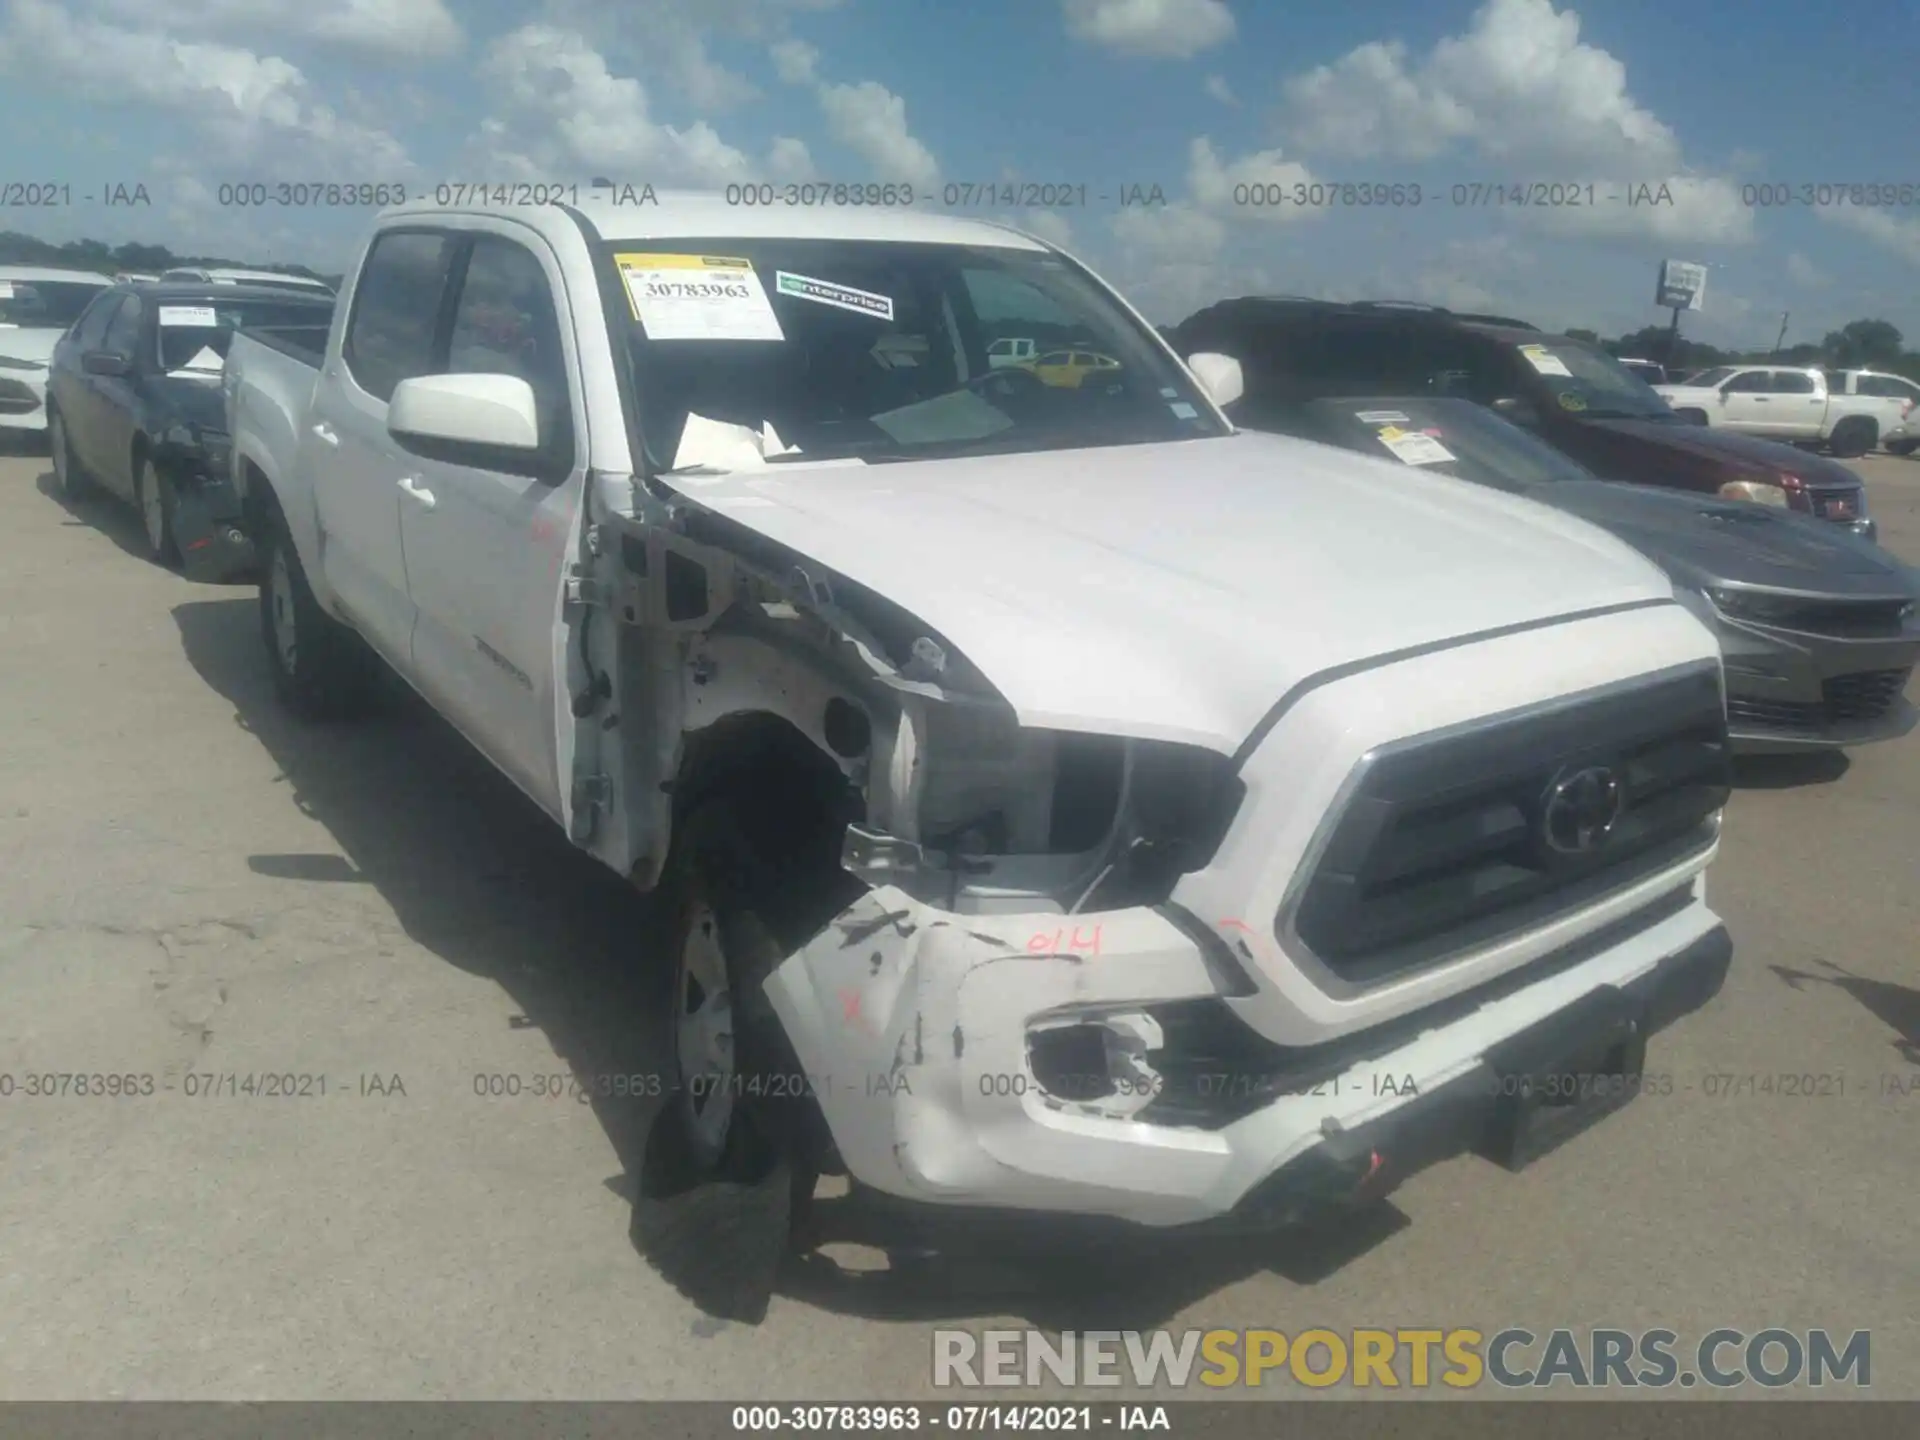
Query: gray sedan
1817	626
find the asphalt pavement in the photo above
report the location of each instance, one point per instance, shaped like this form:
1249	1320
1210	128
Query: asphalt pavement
192	884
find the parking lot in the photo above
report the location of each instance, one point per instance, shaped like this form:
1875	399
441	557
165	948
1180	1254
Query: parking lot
194	884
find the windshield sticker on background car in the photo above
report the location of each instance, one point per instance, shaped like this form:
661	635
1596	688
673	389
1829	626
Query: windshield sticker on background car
1571	401
841	297
1545	361
1414	448
1381	417
6	289
202	316
697	297
1184	410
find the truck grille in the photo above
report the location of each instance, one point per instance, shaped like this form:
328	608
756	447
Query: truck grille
1457	840
1838	504
1845	699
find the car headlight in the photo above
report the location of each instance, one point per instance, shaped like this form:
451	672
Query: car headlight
1755	491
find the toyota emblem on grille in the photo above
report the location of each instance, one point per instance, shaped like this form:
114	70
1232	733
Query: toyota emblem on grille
1580	810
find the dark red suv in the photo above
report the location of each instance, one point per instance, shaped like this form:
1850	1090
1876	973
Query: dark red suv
1570	393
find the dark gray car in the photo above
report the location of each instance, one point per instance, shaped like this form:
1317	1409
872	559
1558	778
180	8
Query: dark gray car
1817	626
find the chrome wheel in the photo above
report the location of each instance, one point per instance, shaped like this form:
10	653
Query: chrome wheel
286	634
703	1032
153	509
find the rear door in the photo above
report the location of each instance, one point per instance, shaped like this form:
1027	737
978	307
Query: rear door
1799	405
354	467
485	545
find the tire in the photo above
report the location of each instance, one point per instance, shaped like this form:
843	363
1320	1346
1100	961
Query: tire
727	1181
1692	417
1902	447
725	890
321	669
1853	437
70	481
153	494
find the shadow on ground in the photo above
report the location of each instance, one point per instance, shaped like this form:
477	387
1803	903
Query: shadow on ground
1788	772
94	509
477	875
1896	1006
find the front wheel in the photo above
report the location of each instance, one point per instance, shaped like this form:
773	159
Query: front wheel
321	669
68	479
1902	447
1853	438
1692	417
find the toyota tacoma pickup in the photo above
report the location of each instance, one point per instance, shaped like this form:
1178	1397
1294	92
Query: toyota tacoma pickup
1067	805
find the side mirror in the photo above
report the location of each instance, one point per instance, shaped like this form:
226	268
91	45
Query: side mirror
104	362
1219	375
1517	412
478	412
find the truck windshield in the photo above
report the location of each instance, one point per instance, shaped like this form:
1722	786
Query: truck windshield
46	304
884	350
1454	437
194	333
1576	378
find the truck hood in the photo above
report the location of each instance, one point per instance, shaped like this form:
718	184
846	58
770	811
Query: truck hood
1701	541
1719	450
28	342
1177	591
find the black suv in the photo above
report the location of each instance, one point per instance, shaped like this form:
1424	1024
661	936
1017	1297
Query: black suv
1570	393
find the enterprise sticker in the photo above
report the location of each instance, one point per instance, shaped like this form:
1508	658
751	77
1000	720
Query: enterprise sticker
841	297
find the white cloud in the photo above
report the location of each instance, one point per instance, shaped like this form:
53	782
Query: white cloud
1238	187
667	41
1517	88
795	61
871	121
255	112
790	160
408	29
1219	89
561	109
1049	225
1171	29
1803	271
1900	237
1518	84
1468	275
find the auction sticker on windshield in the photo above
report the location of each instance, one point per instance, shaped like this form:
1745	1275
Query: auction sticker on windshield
202	316
841	297
697	297
1413	447
1545	361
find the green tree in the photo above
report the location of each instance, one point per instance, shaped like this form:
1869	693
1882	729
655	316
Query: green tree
1863	344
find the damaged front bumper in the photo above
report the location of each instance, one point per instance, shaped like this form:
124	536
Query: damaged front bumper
1029	1063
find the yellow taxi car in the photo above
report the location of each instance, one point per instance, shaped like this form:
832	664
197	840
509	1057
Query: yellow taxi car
1069	368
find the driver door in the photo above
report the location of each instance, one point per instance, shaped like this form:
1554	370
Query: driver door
1747	403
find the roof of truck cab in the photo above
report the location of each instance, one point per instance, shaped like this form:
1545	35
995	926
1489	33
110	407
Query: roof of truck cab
163	292
53	274
707	216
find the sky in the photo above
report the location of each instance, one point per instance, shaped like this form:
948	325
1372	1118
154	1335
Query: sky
1105	99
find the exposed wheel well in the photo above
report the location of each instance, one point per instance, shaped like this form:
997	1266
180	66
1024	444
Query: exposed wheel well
793	796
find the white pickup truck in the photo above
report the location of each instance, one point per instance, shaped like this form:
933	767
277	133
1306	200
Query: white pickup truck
1071	806
1782	402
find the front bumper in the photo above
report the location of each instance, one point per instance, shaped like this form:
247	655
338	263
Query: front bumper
916	1027
1788	691
23	400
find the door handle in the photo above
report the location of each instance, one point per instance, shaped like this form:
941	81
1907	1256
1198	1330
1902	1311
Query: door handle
410	486
324	431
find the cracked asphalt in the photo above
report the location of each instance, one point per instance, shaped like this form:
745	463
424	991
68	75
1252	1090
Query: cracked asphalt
195	890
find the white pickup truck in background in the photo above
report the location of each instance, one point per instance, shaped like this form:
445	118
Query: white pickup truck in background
1783	402
1069	806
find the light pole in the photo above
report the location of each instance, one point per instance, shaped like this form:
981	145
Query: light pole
1781	338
